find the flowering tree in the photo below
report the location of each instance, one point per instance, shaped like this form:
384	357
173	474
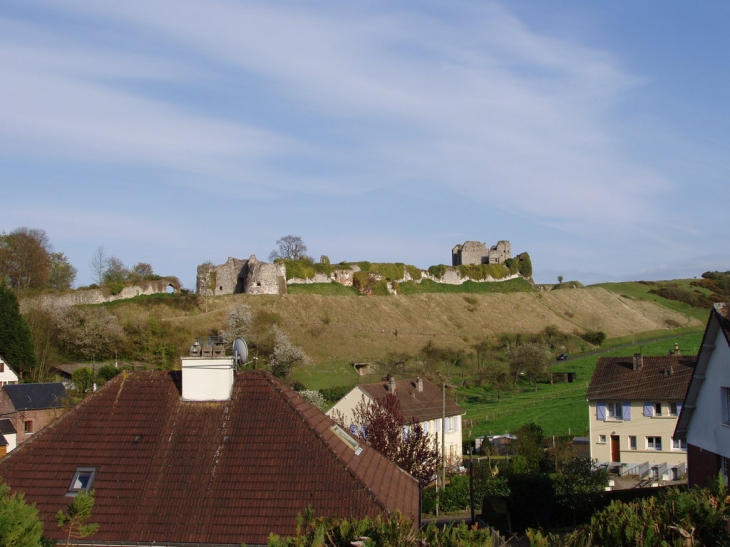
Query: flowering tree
404	443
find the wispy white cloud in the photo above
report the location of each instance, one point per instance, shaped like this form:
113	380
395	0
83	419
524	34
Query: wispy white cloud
330	100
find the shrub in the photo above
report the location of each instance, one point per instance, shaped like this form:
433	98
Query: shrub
524	264
115	288
437	271
107	372
595	337
334	394
414	272
687	297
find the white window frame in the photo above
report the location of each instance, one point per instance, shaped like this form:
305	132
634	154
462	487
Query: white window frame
673	409
602	439
82	481
654	443
632	442
614	411
726	405
679	444
657	409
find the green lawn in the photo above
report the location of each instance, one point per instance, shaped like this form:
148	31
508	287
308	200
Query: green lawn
561	408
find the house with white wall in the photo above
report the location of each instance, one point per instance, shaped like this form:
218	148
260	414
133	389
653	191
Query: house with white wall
7	374
420	402
634	403
704	423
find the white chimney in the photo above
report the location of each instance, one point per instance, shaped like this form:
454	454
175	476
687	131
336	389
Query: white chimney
207	377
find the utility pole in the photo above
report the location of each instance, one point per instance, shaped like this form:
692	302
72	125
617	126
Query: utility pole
443	435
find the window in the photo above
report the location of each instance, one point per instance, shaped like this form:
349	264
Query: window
679	444
674	409
601	438
28	426
658	409
82	481
615	411
726	405
632	442
654	443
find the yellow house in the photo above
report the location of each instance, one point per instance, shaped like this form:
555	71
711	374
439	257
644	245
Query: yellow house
420	401
633	406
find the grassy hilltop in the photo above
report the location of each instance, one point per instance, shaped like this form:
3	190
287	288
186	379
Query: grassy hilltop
436	335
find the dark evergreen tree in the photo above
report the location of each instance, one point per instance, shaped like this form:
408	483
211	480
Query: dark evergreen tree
16	342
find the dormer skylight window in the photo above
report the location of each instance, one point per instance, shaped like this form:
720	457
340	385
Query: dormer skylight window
82	481
346	438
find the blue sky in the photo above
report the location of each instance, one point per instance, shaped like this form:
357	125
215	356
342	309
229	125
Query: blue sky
592	135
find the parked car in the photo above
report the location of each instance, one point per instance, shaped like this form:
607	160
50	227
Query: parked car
562	357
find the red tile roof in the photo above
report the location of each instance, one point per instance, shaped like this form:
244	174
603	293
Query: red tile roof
419	405
226	472
663	378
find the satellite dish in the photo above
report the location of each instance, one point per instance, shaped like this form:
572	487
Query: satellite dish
240	351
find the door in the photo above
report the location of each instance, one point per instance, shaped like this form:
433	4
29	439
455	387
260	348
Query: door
615	449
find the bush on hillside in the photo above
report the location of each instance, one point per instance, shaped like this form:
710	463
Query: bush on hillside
693	299
595	337
568	285
524	265
437	271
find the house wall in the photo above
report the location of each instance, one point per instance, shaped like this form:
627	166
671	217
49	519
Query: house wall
38	418
703	466
708	429
639	426
451	425
7	375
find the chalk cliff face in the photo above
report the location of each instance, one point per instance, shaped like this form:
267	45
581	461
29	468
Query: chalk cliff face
99	296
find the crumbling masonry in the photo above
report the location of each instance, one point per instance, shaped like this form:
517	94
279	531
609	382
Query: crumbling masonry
474	252
237	276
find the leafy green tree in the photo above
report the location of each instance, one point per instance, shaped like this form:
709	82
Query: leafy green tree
580	484
528	358
24	258
76	517
143	270
528	449
107	372
62	274
19	522
115	271
16	342
83	379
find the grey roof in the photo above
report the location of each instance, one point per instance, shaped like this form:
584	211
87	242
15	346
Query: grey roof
6	427
36	396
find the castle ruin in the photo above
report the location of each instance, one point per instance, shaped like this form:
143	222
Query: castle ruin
474	252
239	276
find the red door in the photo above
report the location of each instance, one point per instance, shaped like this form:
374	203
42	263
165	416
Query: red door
615	449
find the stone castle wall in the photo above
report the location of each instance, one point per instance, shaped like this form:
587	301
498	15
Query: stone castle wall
52	301
475	252
237	276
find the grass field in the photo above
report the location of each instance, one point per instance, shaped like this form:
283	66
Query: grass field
560	409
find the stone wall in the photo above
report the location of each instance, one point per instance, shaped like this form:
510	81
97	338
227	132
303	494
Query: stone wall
264	278
237	276
98	296
474	252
